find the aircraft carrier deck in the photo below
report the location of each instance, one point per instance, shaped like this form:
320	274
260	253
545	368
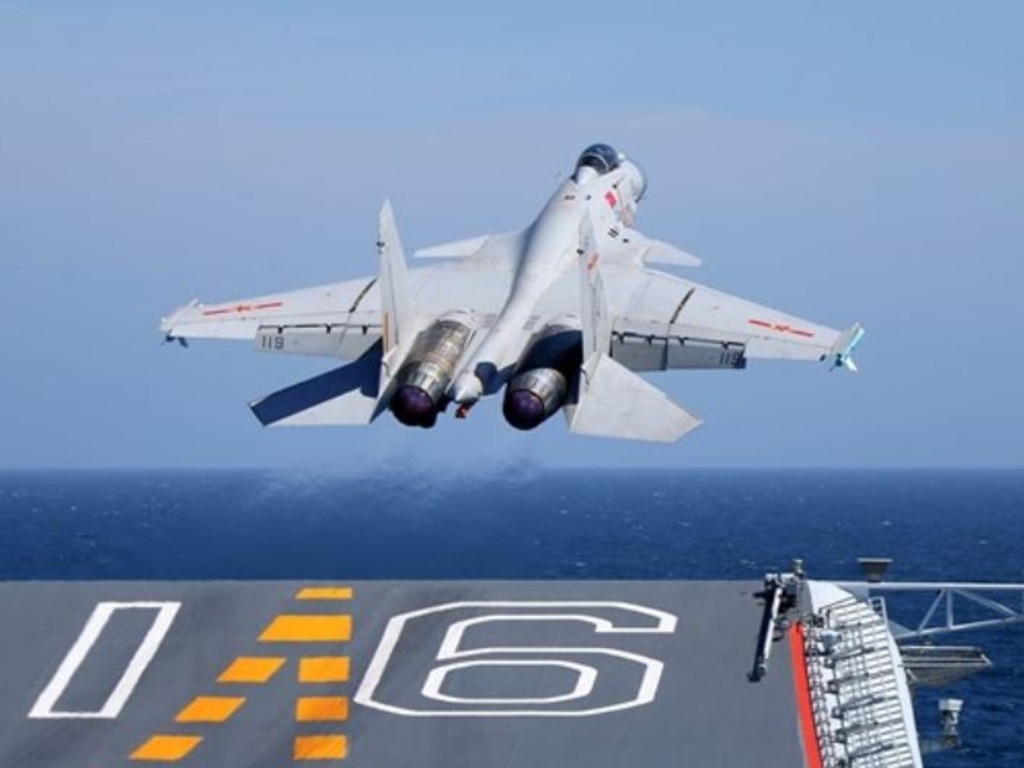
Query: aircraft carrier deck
511	674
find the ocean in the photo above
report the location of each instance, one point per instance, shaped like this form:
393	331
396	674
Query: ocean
524	523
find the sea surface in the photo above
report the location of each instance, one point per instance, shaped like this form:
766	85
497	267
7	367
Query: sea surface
520	522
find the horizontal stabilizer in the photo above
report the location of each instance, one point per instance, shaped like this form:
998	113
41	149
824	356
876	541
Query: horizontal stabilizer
346	395
615	402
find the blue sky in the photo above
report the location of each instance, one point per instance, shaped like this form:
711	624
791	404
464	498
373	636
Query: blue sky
855	161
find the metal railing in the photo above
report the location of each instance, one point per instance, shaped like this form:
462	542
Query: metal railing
1008	608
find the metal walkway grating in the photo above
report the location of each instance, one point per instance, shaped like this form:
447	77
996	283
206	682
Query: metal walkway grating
853	674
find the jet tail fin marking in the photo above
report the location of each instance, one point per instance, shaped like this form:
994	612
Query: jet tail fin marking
345	395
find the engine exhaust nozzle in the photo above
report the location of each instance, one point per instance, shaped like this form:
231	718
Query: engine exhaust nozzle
422	381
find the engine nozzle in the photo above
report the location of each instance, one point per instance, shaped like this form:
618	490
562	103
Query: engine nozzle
533	396
542	384
414	406
422	382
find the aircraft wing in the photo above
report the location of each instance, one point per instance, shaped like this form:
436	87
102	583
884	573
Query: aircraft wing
668	322
337	320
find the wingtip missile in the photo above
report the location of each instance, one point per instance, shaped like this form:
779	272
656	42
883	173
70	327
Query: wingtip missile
844	346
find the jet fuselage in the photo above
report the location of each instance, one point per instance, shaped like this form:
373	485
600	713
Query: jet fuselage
610	191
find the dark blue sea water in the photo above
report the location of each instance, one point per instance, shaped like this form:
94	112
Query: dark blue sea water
522	523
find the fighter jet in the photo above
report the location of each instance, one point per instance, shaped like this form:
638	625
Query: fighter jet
562	315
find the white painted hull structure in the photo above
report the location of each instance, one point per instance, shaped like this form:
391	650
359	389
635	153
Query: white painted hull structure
561	316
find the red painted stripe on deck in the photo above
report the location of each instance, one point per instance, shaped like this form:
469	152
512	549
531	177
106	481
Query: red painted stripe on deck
808	733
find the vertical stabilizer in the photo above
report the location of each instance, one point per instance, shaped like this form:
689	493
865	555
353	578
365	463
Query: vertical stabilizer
612	401
594	319
398	314
397	311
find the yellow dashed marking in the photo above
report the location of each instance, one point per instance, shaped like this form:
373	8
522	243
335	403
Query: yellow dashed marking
166	748
320	748
324	593
251	669
318	709
308	628
324	669
209	709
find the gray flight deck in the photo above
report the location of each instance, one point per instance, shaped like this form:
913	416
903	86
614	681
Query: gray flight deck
512	674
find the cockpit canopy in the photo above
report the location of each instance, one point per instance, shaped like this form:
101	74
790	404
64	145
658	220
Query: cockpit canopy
601	157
